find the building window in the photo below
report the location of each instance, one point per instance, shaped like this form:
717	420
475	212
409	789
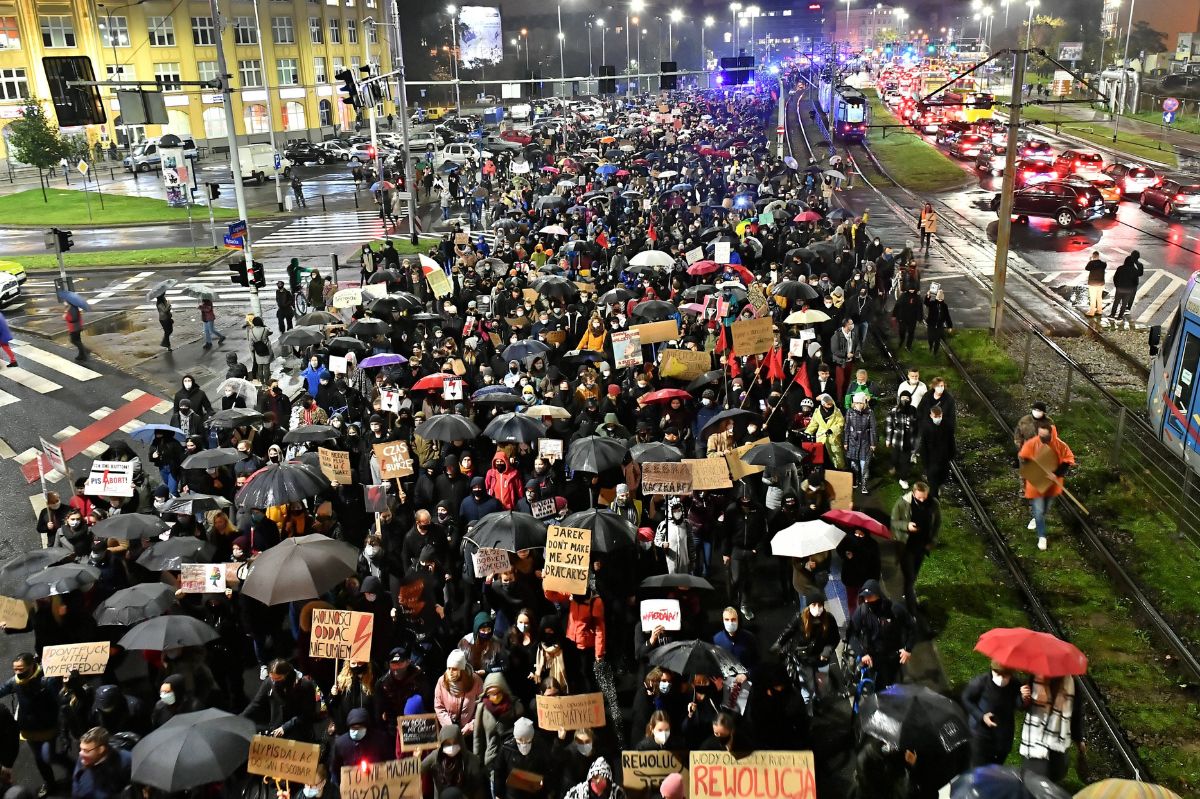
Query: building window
167	77
250	73
13	85
370	3
352	31
355	63
316	31
57	31
207	70
338	65
244	31
287	73
325	110
162	31
373	34
319	74
256	119
293	116
10	34
282	30
335	32
202	31
214	123
114	31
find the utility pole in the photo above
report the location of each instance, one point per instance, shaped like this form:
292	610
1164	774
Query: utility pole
1124	74
235	160
270	110
1004	224
409	182
371	95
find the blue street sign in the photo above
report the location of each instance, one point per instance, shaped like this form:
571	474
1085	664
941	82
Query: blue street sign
237	229
1168	117
235	243
278	161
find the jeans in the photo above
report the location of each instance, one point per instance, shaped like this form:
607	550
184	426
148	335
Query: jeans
168	479
43	757
703	555
1040	506
862	328
445	212
863	467
1122	302
911	558
210	330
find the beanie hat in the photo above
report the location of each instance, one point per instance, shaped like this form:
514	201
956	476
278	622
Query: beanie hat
457	659
523	728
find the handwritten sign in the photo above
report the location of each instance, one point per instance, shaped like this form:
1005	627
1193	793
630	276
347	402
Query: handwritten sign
335	465
568	558
663	613
550	448
110	479
570	712
389	400
394	459
202	578
543	508
673	479
709	474
627	348
759	775
753	336
738	468
341	635
439	284
13	613
657	332
461	238
347	298
693	255
284	759
419	732
488	561
645	771
61	660
337	364
841	485
722	252
685	364
392	779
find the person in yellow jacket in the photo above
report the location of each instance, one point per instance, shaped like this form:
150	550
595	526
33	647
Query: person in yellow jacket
595	338
826	427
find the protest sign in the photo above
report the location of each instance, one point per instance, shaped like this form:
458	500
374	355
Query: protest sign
685	364
375	291
389	400
335	465
419	732
530	295
753	336
525	782
645	771
693	255
202	578
391	779
663	613
439	284
452	389
627	348
738	468
758	775
347	298
110	479
488	561
543	508
394	459
54	456
709	474
568	558
674	479
341	635
842	486
462	238
656	332
61	660
337	364
570	712
550	448
1040	470
13	613
796	348
757	297
722	252
284	759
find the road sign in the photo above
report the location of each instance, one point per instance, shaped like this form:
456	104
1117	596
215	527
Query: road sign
1170	104
238	229
82	166
235	243
1168	117
278	161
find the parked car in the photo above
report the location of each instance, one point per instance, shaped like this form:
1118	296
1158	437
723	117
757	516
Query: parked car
1036	149
461	152
520	137
1079	162
1172	198
1030	172
1108	188
967	145
990	160
146	156
1133	178
364	152
1065	203
307	153
336	149
10	289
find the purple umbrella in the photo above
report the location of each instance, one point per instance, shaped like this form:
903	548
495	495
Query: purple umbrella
383	359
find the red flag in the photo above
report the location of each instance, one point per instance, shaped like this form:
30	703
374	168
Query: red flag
775	364
602	240
652	234
802	379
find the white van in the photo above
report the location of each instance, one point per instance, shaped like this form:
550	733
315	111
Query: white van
258	161
520	112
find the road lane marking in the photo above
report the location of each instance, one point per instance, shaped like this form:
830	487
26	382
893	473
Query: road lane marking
56	362
24	377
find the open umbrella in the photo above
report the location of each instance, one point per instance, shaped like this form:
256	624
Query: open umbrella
654	311
838	215
447	427
915	718
235	417
652	258
159	289
691	581
618	294
525	348
806	317
773	454
656	452
191	750
168	632
802	539
497	398
241	388
57	580
171	554
508	530
279	484
1028	650
738	415
556	287
849	520
795	291
1114	788
554	230
432	382
319	318
1004	782
553	411
706	379
200	292
15	570
807	216
299	568
145	433
368	327
703	268
130	526
344	344
211	458
188	504
383	359
689	658
301	337
132	605
595	454
666	395
310	434
610	531
515	428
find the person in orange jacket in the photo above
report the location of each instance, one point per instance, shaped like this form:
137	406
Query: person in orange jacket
595	338
1041	499
587	631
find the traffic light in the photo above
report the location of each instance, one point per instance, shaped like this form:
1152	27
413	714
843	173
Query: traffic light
887	51
238	268
931	49
668	83
608	84
367	93
64	239
73	105
350	87
214	191
257	274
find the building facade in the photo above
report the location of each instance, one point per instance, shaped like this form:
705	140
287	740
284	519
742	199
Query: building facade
865	28
294	56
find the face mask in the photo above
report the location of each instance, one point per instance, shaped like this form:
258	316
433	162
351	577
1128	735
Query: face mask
451	750
501	467
937	392
676	515
583	749
187	383
372	552
275	458
661	736
706	402
485	635
74	523
816	611
664	687
357	735
522	627
731	627
311	792
1038	414
524	748
1044	439
999	679
369	598
169	698
935	419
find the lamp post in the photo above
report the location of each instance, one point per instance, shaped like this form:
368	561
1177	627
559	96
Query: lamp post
636	7
119	72
270	113
672	18
708	23
1124	73
753	13
452	10
988	18
734	8
525	36
591	70
562	62
847	18
603	36
1029	23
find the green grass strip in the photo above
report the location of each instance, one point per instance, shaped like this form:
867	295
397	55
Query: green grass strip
913	162
70	207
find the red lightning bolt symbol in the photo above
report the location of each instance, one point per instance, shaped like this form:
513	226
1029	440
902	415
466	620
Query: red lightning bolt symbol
362	635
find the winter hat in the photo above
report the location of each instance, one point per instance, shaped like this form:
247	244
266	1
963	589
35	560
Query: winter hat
162	492
815	596
358	716
870	588
242	542
523	729
482	619
477	481
457	659
1039	406
371	585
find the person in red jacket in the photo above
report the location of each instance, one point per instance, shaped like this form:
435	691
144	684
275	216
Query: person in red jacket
74	319
1042	493
503	480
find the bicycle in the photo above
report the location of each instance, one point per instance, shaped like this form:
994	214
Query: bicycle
300	295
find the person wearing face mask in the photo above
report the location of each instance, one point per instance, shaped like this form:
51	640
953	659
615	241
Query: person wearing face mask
595	337
827	427
900	436
937	447
323	788
1048	459
503	481
658	736
173	699
916	521
991	700
808	644
598	785
313	373
363	743
736	640
478	503
521	755
285	704
908	312
191	391
484	652
860	438
674	538
496	715
881	635
51	519
187	420
37	711
1026	426
452	769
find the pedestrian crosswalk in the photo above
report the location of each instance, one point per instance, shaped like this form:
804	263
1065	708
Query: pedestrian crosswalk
39	371
1157	295
349	227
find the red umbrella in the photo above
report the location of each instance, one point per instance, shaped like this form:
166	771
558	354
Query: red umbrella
806	216
431	382
1037	653
743	273
703	268
666	395
848	520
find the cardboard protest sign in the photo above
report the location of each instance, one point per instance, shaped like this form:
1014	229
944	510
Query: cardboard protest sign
657	332
439	284
663	613
693	255
550	448
347	298
54	456
202	578
375	291
738	468
841	484
394	459
335	465
389	400
753	336
391	779
375	498
568	558
530	295
417	733
284	759
543	508
13	613
61	660
645	771
524	781
488	561
674	479
462	238
685	364
1040	471
570	712
110	479
709	474
757	297
337	364
758	775
627	348
341	635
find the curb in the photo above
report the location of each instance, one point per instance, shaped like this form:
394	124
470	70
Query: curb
116	267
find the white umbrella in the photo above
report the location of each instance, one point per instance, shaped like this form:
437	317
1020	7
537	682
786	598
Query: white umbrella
670	173
201	292
554	230
653	258
553	411
242	388
806	538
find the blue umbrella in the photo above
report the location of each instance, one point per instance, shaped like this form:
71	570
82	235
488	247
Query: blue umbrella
681	187
483	392
73	298
145	433
606	169
449	166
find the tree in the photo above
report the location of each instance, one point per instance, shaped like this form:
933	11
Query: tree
1145	39
36	141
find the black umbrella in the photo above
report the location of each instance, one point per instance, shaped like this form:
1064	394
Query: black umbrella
514	428
235	417
16	569
130	526
616	295
915	718
132	605
319	318
299	568
595	454
168	632
520	350
211	459
279	484
171	554
498	398
369	328
424	317
654	311
343	344
696	293
706	379
310	433
656	452
301	337
738	415
447	427
385	276
795	291
610	531
508	530
556	287
187	504
689	658
191	750
57	580
772	455
582	358
677	581
1004	782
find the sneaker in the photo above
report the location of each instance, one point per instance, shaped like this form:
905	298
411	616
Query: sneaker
207	345
1032	525
904	484
221	340
1042	544
11	365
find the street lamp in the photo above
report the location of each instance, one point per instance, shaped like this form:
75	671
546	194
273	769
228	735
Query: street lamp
603	35
752	12
734	8
1124	74
562	63
1029	24
270	112
672	18
709	21
452	10
118	70
525	35
636	7
591	71
902	16
847	18
988	13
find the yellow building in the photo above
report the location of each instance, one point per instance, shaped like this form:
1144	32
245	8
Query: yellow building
304	43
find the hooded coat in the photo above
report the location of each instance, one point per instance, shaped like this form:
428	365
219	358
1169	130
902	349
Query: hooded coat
462	772
600	768
494	724
505	485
